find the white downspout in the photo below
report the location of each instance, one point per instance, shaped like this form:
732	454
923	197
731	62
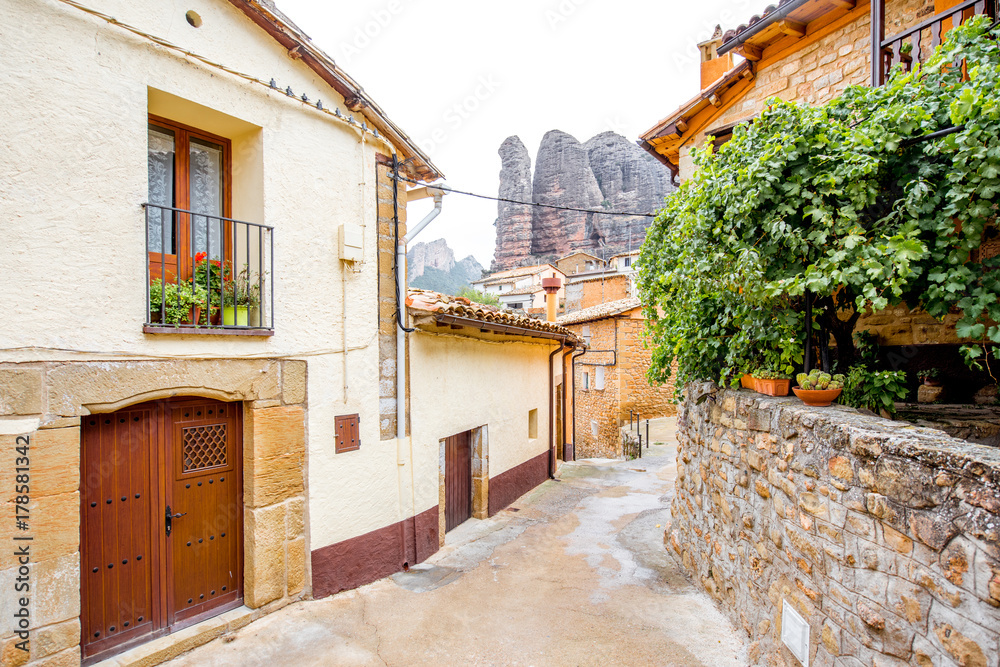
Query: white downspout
400	334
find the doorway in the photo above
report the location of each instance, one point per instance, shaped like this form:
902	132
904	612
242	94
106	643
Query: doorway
162	518
458	480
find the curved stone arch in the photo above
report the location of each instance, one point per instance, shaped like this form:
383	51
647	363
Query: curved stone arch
161	394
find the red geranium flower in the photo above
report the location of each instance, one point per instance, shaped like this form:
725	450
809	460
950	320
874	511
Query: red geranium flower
200	257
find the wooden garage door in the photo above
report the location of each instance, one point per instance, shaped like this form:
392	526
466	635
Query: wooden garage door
458	479
161	534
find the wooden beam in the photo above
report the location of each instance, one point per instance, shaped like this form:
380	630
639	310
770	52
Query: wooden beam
681	125
844	4
714	99
750	52
793	28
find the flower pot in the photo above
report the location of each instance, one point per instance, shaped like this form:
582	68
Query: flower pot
234	315
747	381
772	387
819	398
932	382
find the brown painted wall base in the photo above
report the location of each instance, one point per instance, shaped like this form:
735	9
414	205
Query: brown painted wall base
508	486
367	558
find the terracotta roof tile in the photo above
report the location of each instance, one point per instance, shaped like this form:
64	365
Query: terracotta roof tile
444	304
754	20
533	289
515	273
600	311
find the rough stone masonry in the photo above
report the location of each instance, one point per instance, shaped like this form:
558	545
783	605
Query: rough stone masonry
884	536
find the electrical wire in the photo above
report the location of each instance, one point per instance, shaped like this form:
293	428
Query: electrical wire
446	188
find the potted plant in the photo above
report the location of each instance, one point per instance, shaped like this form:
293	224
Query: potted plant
181	302
771	382
817	388
930	377
747	380
239	296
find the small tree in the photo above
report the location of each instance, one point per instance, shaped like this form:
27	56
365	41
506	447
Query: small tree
476	296
852	206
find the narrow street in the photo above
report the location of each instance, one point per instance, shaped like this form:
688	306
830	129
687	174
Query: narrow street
574	573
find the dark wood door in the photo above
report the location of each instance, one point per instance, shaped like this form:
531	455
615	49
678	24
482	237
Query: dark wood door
139	581
203	542
458	479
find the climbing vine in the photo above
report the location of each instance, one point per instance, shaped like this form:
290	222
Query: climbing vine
880	197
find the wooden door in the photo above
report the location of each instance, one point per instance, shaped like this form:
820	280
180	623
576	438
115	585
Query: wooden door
138	581
458	479
121	558
203	529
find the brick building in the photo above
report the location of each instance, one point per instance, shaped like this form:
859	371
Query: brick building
611	376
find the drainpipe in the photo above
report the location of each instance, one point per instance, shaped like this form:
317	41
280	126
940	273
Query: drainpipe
552	410
577	355
565	401
401	330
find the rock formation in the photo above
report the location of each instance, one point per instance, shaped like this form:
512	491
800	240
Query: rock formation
432	266
513	221
606	173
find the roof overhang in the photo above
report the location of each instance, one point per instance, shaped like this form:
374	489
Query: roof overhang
784	24
263	12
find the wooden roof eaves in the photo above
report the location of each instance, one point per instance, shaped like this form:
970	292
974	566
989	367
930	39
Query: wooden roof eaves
275	24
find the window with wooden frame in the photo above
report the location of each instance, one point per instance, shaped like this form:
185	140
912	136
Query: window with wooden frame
190	173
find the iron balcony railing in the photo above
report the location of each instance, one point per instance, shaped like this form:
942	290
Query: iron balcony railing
207	272
916	44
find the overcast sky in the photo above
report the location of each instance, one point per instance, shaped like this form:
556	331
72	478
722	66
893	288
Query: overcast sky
460	76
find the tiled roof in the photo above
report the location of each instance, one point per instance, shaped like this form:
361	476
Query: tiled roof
600	311
533	289
754	20
515	273
444	304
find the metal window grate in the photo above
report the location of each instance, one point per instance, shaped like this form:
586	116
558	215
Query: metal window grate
204	447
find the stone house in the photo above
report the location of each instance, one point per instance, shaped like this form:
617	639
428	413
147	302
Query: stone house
521	288
208	466
810	51
579	262
610	376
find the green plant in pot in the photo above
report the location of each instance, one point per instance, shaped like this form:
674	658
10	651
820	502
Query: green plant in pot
176	303
818	388
239	296
771	382
930	377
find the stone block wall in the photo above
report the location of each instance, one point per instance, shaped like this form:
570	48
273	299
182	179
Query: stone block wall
387	294
884	536
597	405
634	359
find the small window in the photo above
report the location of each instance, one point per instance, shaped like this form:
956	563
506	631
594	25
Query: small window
348	437
533	423
599	380
586	381
586	334
517	306
628	262
595	428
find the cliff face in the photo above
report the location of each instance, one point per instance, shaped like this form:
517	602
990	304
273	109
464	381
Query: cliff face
513	221
607	172
432	266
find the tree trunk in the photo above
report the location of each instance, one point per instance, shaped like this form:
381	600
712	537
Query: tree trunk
842	330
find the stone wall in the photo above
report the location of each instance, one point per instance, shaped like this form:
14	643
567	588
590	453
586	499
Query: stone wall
884	536
634	359
600	406
387	296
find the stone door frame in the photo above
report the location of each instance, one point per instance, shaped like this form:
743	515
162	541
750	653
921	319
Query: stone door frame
480	477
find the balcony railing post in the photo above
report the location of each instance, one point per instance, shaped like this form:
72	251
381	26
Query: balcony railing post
878	34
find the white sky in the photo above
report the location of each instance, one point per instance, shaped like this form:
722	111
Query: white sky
460	76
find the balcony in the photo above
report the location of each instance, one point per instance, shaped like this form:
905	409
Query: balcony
916	44
207	274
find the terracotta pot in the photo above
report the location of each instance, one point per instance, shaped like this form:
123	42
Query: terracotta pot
773	387
932	382
819	398
747	381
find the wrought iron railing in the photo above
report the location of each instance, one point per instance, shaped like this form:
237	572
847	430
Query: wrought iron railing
207	272
916	44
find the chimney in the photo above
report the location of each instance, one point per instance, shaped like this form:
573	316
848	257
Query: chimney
551	287
712	65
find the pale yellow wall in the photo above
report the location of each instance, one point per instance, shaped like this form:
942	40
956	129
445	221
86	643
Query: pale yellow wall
458	383
73	175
